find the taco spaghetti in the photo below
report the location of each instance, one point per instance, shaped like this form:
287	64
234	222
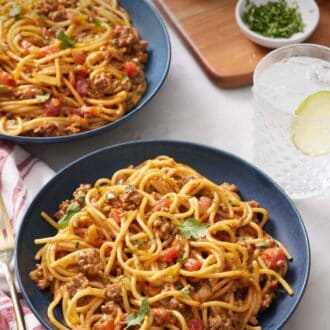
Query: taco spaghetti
159	246
67	66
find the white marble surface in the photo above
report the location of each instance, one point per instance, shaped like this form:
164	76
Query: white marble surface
189	107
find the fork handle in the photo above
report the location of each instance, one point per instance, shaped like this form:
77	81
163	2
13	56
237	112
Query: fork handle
13	294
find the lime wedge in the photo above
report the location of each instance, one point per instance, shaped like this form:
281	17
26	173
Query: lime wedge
311	125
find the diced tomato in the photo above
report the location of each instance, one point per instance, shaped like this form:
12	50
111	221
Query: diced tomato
192	264
108	251
170	254
6	79
48	50
195	324
162	204
82	86
115	215
130	68
204	204
273	257
53	107
78	56
81	70
72	79
104	324
27	69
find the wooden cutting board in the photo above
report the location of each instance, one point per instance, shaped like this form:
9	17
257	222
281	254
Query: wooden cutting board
209	28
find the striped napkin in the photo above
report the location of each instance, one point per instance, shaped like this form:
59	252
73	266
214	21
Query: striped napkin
21	177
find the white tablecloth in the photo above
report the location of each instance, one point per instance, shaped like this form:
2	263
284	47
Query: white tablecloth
190	107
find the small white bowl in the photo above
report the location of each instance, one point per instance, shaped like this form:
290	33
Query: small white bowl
310	14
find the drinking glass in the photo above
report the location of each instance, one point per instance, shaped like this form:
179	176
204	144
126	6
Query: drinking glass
282	80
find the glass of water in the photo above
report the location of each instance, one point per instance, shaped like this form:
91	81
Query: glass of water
282	80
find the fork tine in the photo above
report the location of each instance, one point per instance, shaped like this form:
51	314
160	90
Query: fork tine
9	230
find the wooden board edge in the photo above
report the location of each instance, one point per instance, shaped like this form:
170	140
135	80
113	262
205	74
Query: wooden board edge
223	81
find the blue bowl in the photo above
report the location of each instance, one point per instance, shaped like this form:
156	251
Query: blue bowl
151	27
285	223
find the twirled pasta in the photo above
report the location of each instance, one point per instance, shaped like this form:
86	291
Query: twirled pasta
67	66
162	246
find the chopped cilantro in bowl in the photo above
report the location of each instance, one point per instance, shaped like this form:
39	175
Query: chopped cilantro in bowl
275	19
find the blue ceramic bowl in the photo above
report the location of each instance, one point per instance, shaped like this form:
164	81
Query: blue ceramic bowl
285	223
152	29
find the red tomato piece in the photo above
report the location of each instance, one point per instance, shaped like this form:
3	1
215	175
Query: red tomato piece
104	325
6	79
130	68
53	107
115	215
170	254
27	69
195	324
273	257
78	56
82	86
192	264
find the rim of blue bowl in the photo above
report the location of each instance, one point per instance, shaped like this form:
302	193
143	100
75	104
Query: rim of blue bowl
129	114
174	143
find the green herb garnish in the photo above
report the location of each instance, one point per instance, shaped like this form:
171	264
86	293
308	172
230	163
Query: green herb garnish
138	318
193	228
97	23
66	41
70	212
77	245
140	244
182	260
43	17
15	12
43	98
3	87
185	291
261	244
273	19
105	280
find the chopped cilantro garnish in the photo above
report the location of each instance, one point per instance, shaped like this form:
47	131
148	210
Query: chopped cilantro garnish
43	98
105	280
77	245
43	17
192	228
66	41
97	23
15	12
261	244
138	318
274	19
182	260
70	212
3	87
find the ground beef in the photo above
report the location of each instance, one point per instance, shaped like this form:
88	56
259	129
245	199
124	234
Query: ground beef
110	308
105	84
55	129
39	276
223	322
162	315
164	228
47	6
89	263
80	193
131	199
177	305
62	209
113	292
77	283
69	3
58	15
30	92
124	36
203	293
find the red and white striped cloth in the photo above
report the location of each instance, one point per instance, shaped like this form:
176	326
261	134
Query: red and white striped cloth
21	177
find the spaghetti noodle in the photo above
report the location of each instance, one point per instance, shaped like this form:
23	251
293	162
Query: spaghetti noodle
67	66
159	246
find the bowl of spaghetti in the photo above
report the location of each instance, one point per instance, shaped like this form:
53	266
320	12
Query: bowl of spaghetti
74	68
148	235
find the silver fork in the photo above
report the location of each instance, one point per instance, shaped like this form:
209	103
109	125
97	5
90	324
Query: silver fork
7	244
